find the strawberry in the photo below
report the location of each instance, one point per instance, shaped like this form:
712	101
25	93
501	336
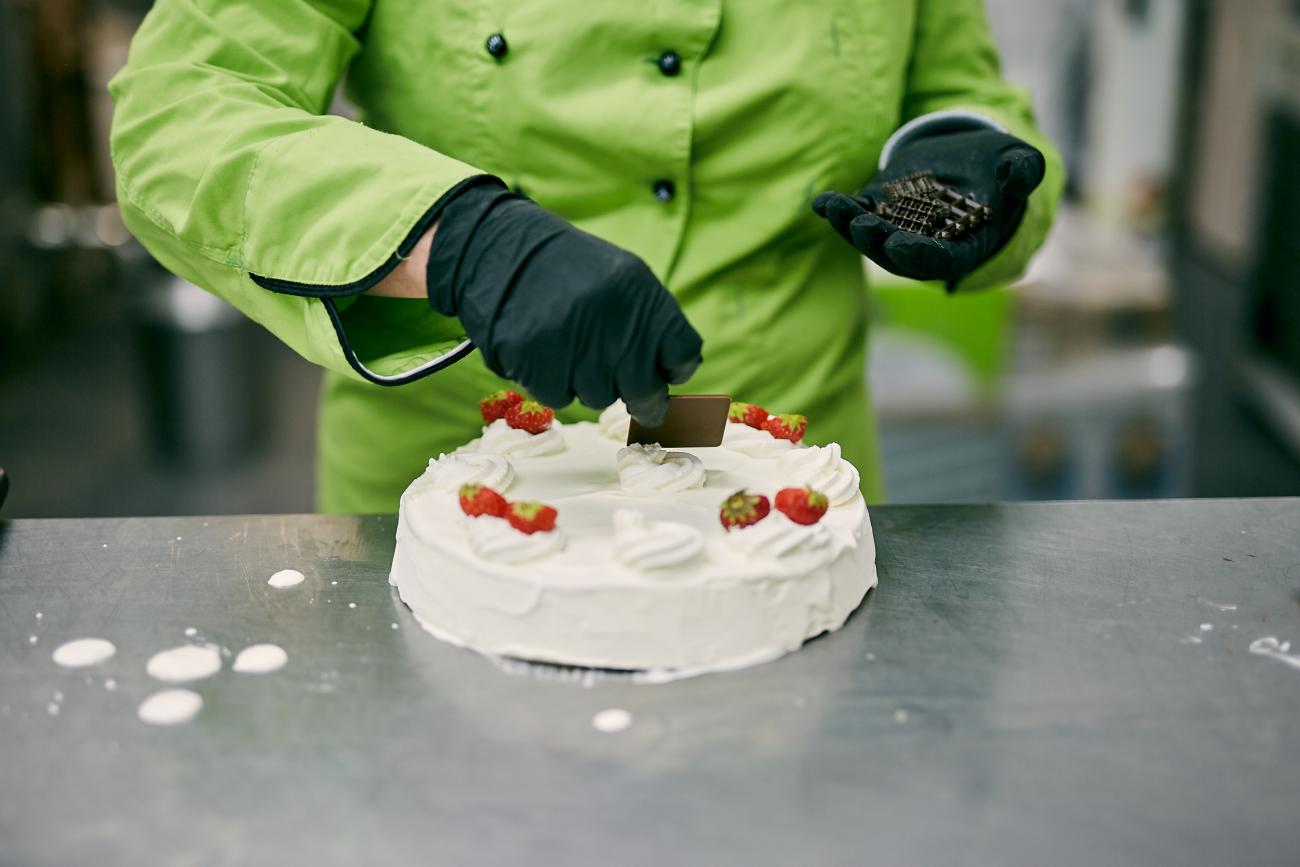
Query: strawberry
478	500
801	505
530	416
742	509
788	426
747	413
494	405
531	517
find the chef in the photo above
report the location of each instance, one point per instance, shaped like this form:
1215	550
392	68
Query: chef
604	199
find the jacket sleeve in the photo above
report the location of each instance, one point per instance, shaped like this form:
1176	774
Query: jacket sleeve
231	174
955	77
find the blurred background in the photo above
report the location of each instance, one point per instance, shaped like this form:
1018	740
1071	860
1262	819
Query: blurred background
1153	350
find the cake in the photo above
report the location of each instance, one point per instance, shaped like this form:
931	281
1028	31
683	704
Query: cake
559	543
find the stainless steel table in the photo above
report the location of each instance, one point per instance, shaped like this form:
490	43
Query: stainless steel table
1030	684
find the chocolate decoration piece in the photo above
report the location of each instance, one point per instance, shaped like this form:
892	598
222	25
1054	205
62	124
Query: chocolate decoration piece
919	204
693	420
912	213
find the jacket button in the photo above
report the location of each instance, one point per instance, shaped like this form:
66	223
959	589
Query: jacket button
496	46
664	190
670	63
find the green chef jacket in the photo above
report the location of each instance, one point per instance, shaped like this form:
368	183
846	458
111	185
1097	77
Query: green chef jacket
694	133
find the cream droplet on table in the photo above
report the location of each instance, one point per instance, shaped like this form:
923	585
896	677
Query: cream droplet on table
260	659
83	651
170	707
1272	648
612	720
285	578
190	662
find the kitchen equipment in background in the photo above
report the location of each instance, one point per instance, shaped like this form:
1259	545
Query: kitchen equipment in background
204	374
1104	426
1268	369
1234	247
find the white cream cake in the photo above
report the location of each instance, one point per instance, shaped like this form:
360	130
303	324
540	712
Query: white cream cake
638	572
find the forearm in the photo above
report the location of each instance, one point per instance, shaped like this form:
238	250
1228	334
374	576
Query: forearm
231	175
409	279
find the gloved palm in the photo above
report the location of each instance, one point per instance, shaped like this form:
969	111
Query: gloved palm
561	312
994	168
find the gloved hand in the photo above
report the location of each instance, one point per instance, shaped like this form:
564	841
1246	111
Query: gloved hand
991	167
557	310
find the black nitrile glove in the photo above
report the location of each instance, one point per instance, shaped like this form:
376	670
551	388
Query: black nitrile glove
557	310
991	167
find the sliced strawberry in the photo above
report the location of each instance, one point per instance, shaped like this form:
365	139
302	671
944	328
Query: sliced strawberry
747	413
530	416
478	500
493	406
802	505
531	517
788	426
742	509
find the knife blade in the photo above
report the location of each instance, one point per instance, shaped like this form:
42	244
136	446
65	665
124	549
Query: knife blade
692	420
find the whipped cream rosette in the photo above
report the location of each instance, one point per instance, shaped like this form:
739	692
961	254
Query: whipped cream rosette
649	469
754	442
449	472
494	539
614	421
502	439
777	537
645	544
823	469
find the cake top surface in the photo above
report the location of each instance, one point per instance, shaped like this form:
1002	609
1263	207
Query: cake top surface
636	515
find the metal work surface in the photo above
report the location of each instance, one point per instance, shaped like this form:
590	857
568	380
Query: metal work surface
1030	684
